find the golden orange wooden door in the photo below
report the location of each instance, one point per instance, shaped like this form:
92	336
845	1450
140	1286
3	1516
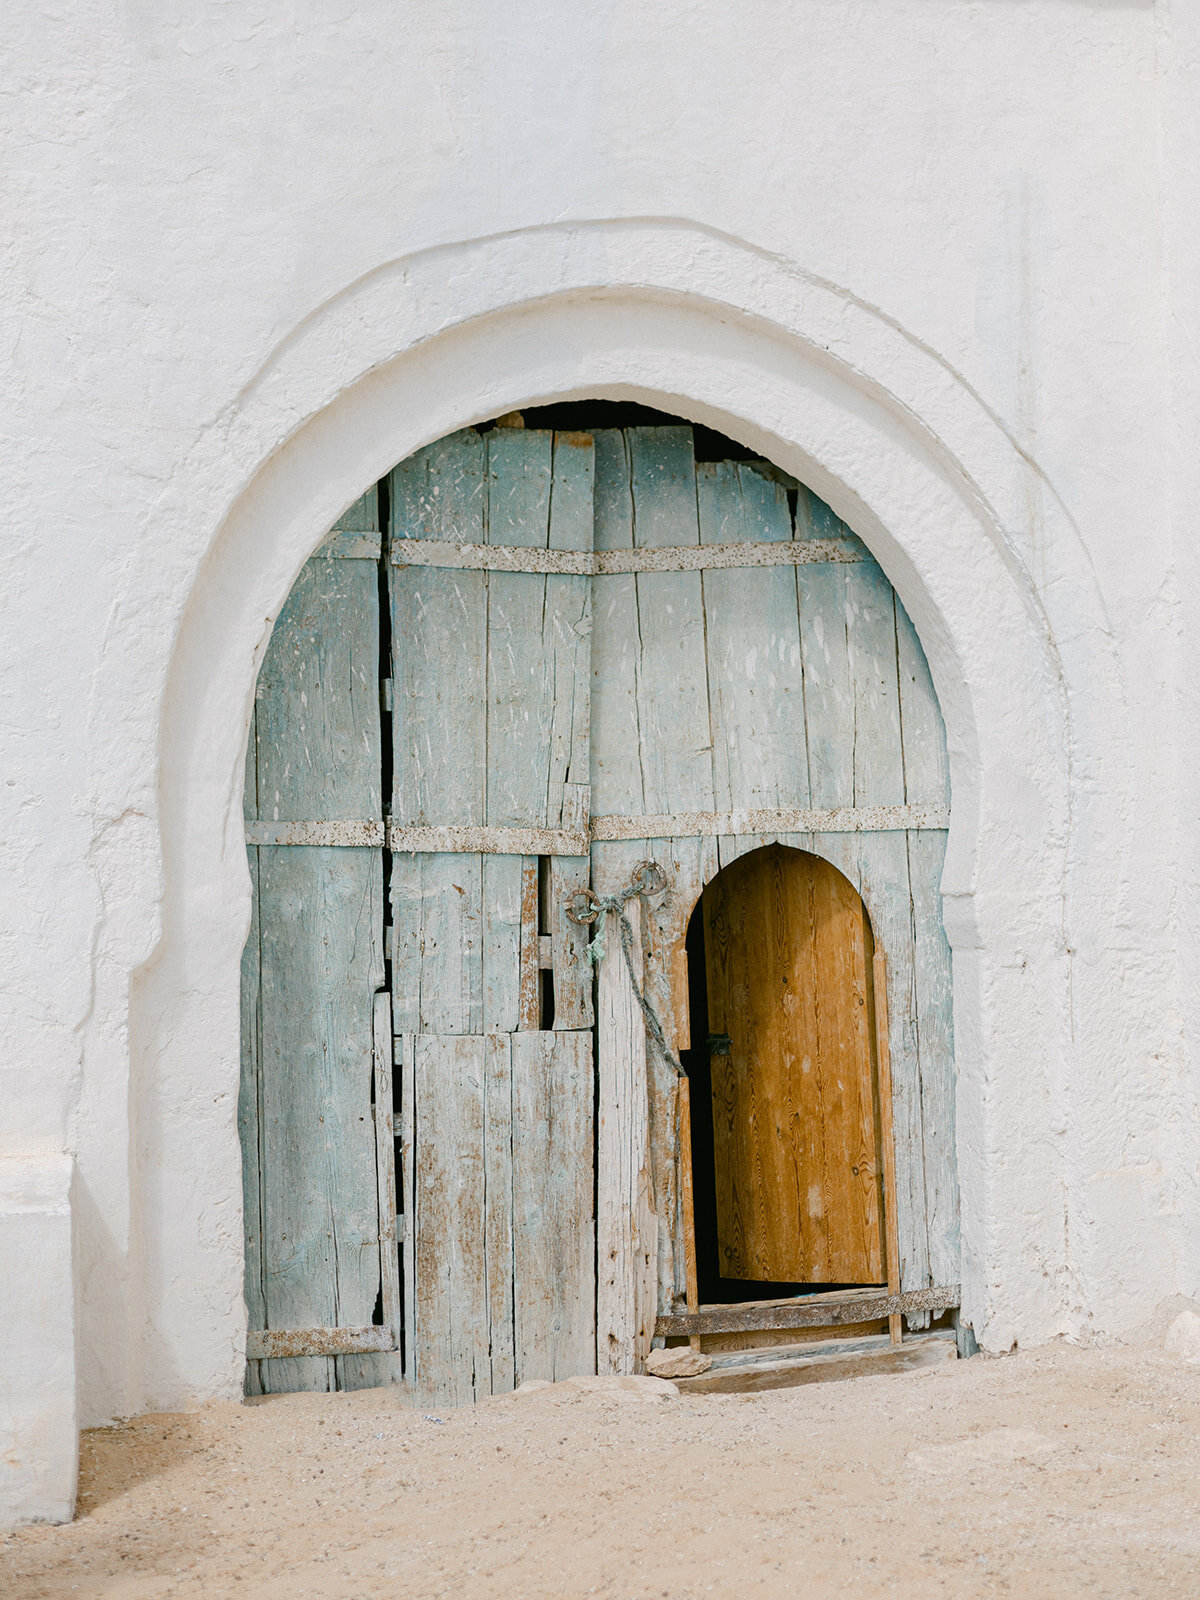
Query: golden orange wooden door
796	1142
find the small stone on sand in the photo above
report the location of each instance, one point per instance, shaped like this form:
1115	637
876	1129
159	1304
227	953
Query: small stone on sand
681	1361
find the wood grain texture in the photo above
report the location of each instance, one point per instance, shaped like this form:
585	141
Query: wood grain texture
554	1234
491	724
755	671
793	1099
499	1144
462	1289
651	746
385	1168
830	1367
439	739
887	1137
319	923
927	769
681	558
406	1185
250	1088
567	648
836	1308
626	1222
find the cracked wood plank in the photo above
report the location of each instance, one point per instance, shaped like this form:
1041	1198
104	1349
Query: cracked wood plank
569	563
755	676
439	740
626	1223
554	1231
461	1247
762	826
307	1105
927	772
575	840
808	1311
520	705
567	648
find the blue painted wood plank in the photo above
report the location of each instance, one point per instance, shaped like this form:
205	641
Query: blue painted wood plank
319	918
553	1230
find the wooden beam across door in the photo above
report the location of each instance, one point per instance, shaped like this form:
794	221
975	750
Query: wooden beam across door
806	1311
517	841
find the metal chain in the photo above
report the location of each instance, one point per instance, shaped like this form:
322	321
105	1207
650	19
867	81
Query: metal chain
585	907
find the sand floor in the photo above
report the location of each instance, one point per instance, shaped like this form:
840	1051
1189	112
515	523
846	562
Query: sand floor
1059	1473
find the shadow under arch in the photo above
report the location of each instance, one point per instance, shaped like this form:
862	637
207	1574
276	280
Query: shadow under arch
760	381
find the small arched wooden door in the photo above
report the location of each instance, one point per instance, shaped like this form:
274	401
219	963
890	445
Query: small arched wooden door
797	1143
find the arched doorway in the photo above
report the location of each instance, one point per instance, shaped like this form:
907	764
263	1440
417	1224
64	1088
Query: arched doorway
532	657
790	1123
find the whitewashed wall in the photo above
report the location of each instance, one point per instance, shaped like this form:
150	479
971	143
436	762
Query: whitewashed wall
941	260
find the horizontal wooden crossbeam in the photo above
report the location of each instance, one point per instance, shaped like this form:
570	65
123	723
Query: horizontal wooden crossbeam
267	1344
806	1311
601	563
716	824
398	836
488	841
352	546
350	835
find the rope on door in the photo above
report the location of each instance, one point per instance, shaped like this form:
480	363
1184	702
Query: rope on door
585	907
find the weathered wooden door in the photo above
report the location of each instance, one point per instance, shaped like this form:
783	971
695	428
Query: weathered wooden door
592	653
797	1144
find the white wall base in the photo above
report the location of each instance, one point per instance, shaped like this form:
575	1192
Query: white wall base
38	1437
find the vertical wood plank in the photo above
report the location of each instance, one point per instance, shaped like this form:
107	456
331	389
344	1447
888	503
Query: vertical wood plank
504	936
452	1354
499	1375
755	675
406	1046
626	1224
520	682
887	1134
687	1198
567	646
377	1369
385	1165
927	773
554	1234
320	919
439	723
250	1092
676	756
529	1003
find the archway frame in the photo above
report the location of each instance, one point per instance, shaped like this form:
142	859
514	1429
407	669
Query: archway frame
695	323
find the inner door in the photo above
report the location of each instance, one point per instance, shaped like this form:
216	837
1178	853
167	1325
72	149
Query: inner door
796	1142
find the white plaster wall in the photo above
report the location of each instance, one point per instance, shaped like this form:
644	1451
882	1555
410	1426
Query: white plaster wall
940	257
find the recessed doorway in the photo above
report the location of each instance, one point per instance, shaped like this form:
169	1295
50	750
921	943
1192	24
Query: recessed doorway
786	1120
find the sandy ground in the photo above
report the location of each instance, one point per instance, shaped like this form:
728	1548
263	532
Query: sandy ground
1059	1473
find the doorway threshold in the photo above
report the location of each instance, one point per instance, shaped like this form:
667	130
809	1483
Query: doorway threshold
805	1311
787	1366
